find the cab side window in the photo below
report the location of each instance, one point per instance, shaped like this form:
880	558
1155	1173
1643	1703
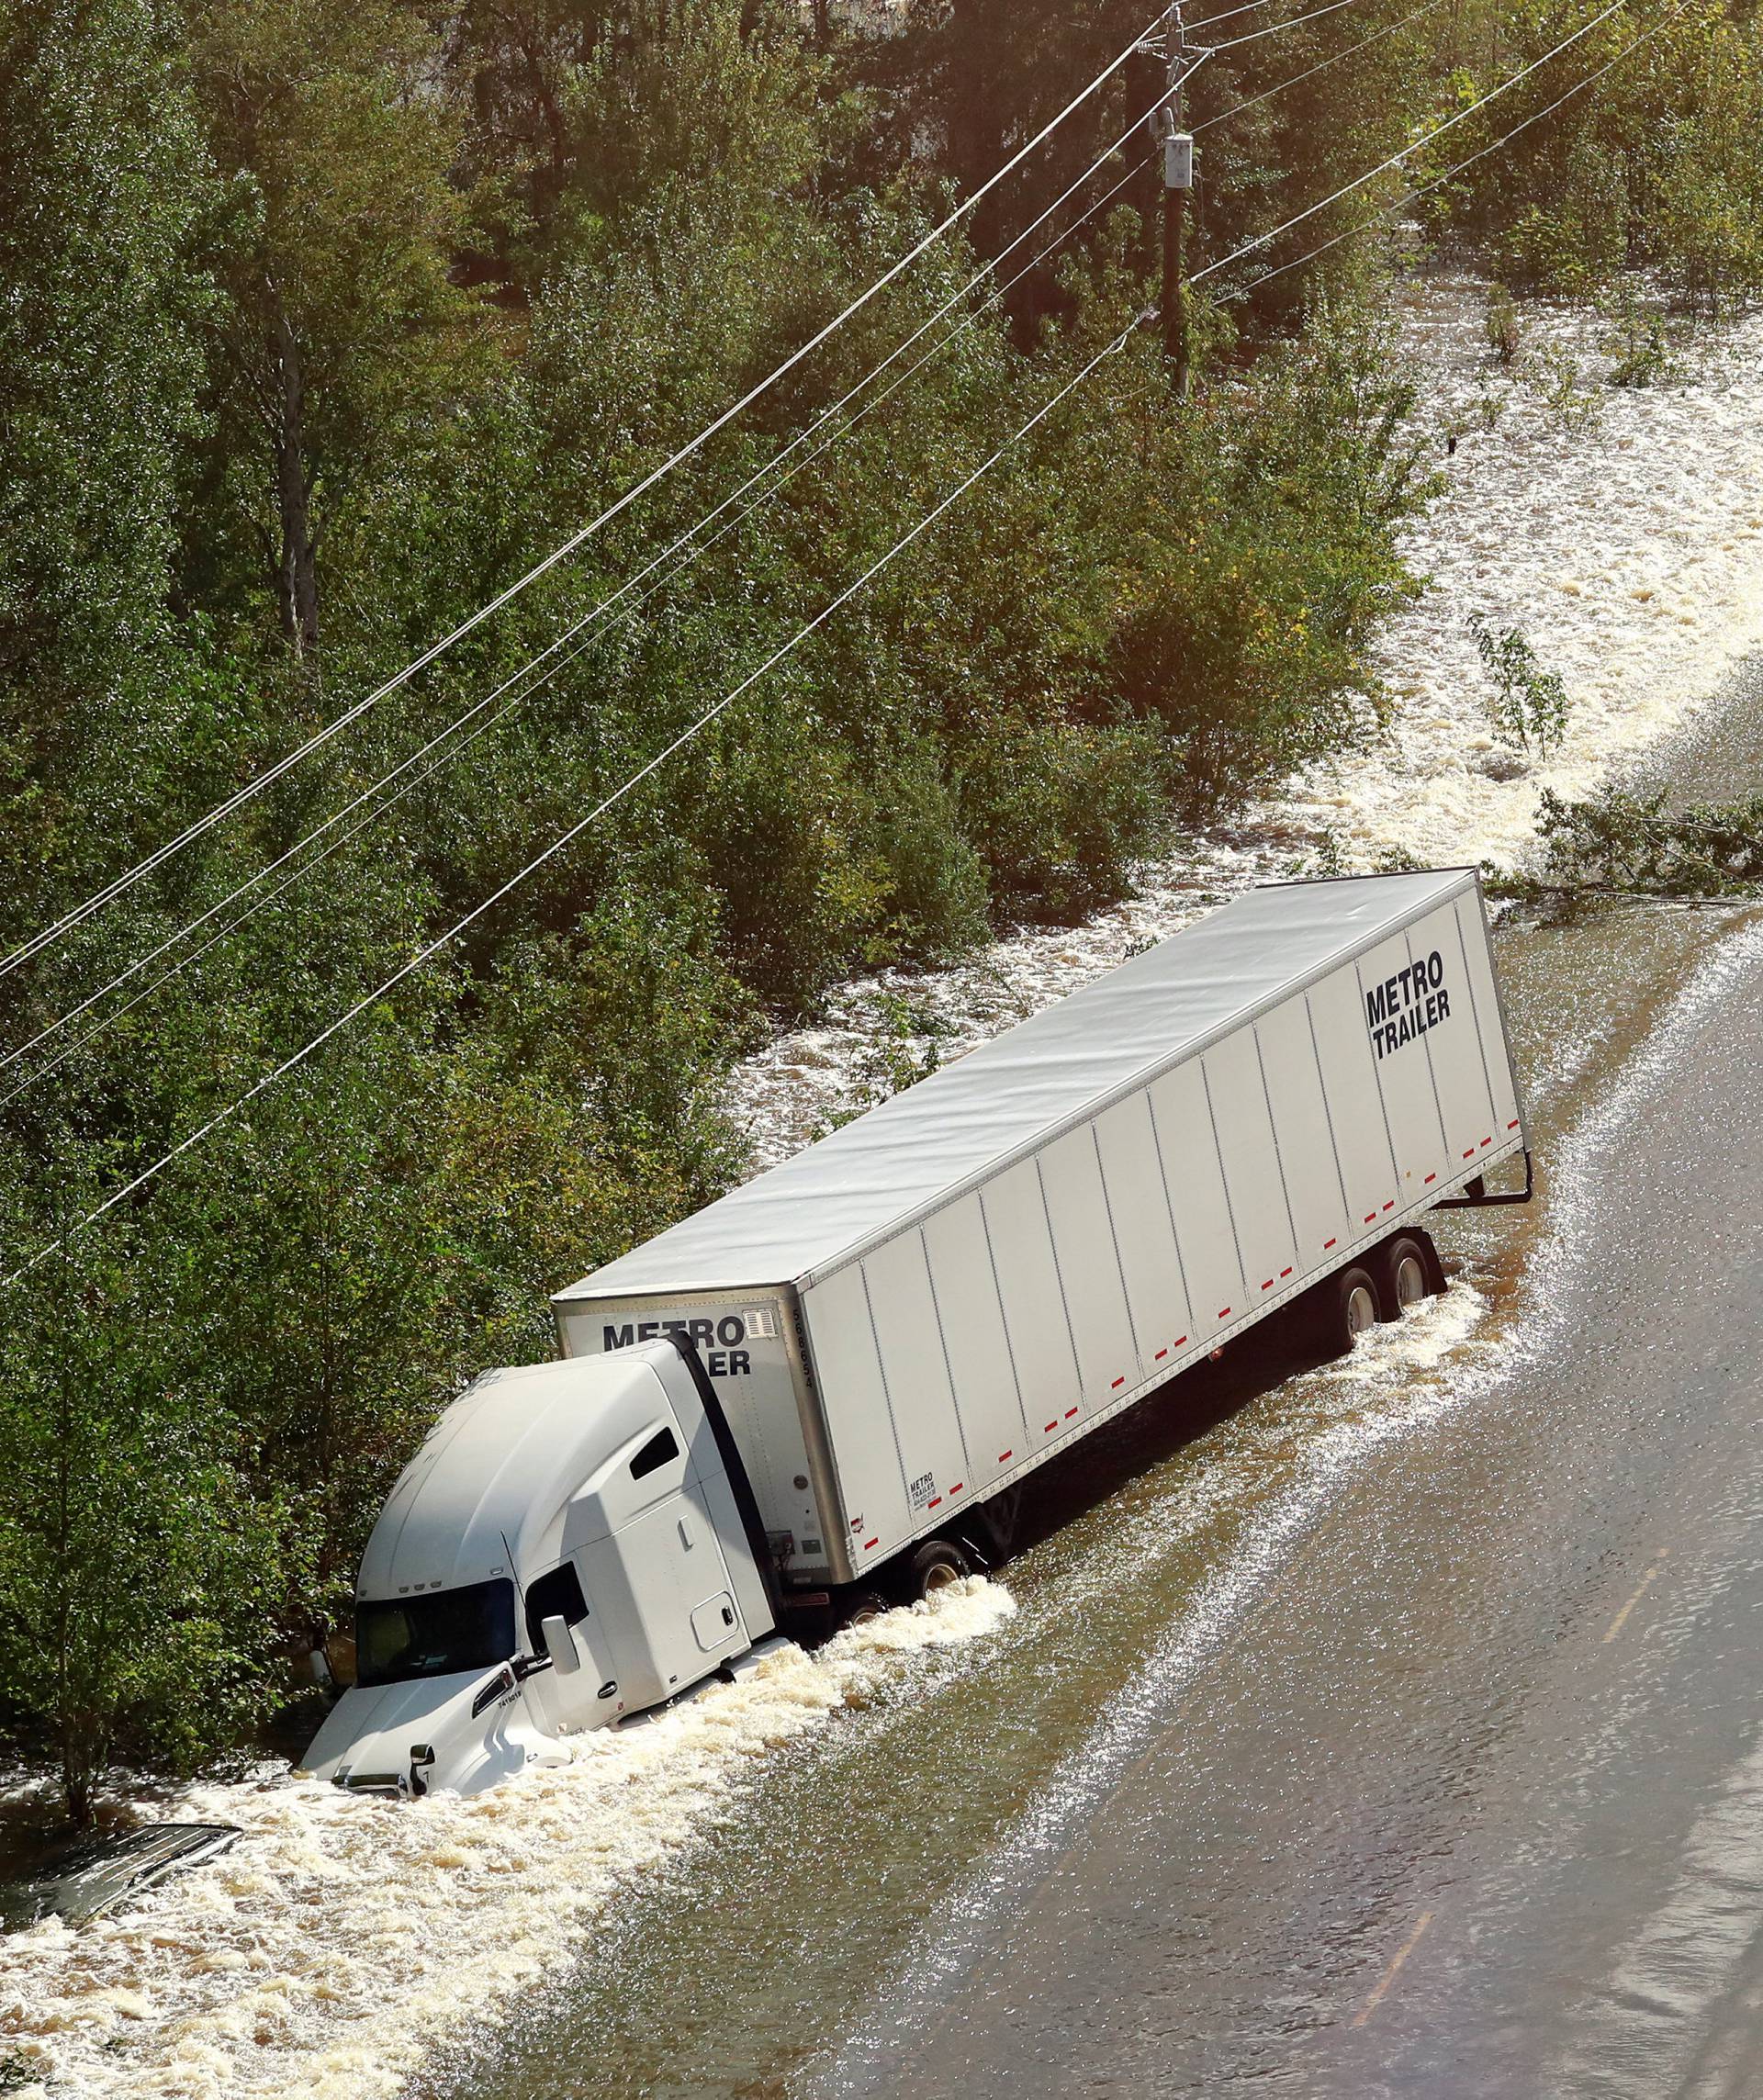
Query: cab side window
554	1596
662	1446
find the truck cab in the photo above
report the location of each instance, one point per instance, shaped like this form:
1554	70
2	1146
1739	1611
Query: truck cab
574	1543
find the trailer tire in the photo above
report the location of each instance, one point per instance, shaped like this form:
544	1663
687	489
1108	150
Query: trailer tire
938	1564
1406	1270
1346	1307
866	1605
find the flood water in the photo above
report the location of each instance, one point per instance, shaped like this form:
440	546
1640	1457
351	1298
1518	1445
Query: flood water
1305	1657
1295	1748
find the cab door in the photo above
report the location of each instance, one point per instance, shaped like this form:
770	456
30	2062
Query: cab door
658	1583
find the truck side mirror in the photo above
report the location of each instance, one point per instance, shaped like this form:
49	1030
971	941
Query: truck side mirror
559	1644
421	1764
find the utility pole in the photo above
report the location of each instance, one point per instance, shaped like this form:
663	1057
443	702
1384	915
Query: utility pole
1178	179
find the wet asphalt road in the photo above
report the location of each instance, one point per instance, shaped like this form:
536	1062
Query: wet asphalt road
1472	1799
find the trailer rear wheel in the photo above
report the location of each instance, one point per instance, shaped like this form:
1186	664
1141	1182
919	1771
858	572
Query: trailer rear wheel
868	1604
938	1564
1346	1307
1407	1271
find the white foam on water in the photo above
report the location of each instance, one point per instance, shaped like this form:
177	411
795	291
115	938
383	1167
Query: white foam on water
343	1938
1629	554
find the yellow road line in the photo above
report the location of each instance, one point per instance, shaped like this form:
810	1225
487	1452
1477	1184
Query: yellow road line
1390	1975
1640	1588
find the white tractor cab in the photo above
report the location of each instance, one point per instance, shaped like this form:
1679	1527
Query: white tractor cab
574	1543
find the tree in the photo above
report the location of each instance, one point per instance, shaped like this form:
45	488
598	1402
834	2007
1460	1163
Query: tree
342	330
105	181
138	1569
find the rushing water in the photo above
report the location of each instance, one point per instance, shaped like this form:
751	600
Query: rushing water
757	1890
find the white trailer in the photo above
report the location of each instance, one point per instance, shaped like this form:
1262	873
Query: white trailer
916	1311
836	1369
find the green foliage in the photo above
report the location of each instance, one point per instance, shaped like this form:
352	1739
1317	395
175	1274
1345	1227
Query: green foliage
905	1039
323	322
139	1571
1528	705
1660	168
1617	840
1643	341
1502	326
101	310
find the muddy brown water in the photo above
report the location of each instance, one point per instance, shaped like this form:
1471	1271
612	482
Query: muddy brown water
1293	1644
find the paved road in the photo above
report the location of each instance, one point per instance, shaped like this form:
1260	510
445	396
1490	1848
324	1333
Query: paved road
1471	1803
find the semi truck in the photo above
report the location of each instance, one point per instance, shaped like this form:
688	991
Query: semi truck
824	1392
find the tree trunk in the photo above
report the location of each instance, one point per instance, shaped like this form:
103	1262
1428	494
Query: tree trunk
975	117
298	575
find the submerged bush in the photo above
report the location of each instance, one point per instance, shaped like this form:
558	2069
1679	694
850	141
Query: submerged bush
1618	840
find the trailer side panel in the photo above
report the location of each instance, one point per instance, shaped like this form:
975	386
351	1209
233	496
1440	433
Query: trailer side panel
980	1363
1033	1303
1189	1153
916	1370
1089	1269
1251	1159
1139	1207
866	1464
1312	1174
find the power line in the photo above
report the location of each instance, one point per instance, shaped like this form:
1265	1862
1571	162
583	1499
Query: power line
588	619
1229	15
222	810
1291	22
1437	181
1321	66
566	838
1396	159
569	657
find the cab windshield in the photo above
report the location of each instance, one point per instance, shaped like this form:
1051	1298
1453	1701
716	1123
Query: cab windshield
435	1635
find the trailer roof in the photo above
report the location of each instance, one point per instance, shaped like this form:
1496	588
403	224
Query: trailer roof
915	1151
